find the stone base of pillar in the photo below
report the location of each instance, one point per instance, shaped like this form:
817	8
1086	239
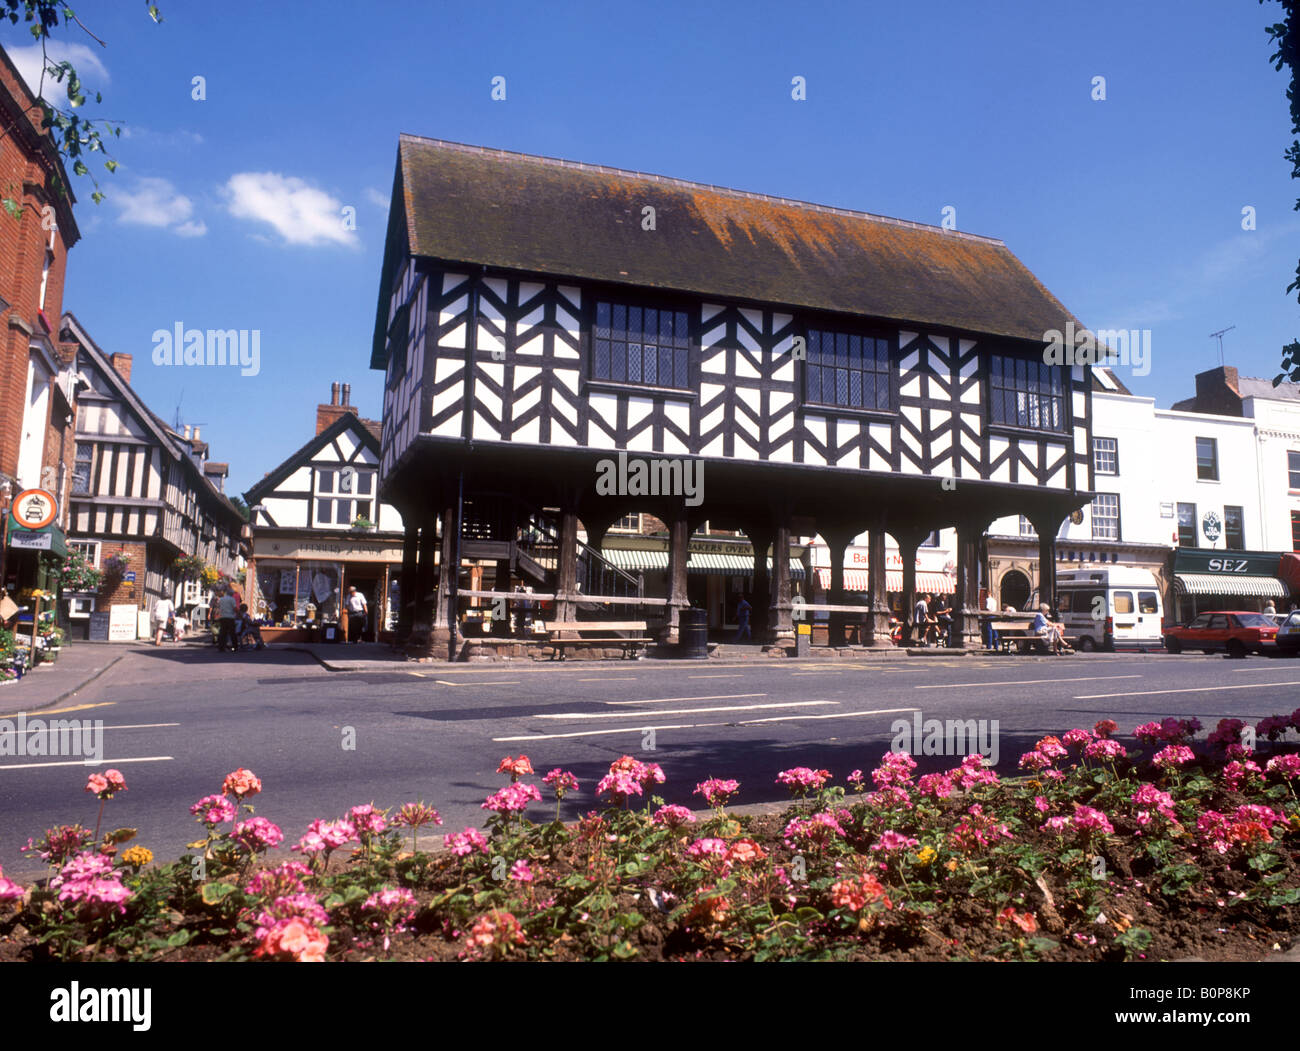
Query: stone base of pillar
880	627
666	634
779	648
427	643
972	629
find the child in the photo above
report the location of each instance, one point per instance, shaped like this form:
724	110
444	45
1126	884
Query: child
246	626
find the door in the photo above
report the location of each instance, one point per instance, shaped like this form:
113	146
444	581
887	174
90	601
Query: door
1123	611
1216	637
1149	616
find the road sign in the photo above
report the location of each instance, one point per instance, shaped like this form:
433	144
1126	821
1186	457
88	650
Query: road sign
35	509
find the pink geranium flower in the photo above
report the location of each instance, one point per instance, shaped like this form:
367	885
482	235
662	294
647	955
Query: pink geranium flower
214	810
241	783
716	791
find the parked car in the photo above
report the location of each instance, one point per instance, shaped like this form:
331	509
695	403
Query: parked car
1234	632
1288	635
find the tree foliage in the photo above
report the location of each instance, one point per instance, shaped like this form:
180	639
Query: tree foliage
60	93
1285	36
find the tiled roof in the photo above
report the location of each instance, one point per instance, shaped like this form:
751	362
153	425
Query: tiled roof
493	208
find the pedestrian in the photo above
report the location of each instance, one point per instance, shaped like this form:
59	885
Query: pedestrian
991	609
357	611
944	617
1051	634
921	618
1270	609
248	626
227	613
743	609
163	612
180	622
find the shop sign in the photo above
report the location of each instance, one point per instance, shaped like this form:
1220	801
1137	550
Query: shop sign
325	550
31	541
122	623
1246	563
1211	526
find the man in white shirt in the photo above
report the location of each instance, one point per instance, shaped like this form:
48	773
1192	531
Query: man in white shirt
356	607
990	636
163	611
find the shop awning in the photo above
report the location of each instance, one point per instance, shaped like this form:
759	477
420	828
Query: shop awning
636	560
857	580
49	539
1223	584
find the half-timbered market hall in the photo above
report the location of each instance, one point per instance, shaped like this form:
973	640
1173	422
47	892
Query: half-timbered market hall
569	347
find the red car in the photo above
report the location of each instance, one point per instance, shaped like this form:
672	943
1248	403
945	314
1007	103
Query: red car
1233	632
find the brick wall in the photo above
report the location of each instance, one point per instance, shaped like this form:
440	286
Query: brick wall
27	172
123	593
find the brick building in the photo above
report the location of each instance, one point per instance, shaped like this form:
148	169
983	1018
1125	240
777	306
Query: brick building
37	388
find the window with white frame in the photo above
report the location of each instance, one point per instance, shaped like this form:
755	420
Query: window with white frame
627	524
88	549
343	495
1105	456
1027	527
1105	516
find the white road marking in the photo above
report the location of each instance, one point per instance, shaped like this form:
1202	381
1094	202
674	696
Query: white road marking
796	675
94	762
706	697
833	715
1021	682
495	682
715	676
602	678
1192	689
691	726
685	711
123	726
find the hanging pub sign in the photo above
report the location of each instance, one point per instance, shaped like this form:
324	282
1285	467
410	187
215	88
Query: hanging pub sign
1211	526
34	509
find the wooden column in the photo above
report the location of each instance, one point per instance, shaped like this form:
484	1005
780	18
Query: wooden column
679	535
876	586
566	567
966	601
837	541
908	542
448	566
760	600
408	580
1046	524
779	629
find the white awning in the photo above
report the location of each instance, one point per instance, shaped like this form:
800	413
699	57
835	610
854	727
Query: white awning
635	560
1229	584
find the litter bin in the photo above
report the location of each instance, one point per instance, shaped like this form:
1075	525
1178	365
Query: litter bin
693	634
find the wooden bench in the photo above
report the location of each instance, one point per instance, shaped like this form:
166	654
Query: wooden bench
1021	635
609	630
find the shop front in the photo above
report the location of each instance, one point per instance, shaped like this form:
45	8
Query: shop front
301	583
1212	579
719	573
935	575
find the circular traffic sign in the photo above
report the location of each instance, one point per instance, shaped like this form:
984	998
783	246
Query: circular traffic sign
35	509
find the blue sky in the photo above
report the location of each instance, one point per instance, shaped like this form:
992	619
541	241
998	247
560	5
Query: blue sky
226	212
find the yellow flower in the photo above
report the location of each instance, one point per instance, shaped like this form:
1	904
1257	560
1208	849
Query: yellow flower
137	857
926	855
952	865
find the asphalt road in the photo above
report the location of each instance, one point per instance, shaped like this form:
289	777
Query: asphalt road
177	720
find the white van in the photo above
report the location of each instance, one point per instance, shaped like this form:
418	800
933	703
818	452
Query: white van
1107	609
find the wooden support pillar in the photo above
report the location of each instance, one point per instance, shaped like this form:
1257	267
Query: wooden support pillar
780	630
447	565
877	587
908	542
566	566
761	539
1046	524
408	581
837	541
966	601
679	536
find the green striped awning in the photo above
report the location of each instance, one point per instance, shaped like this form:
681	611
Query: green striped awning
638	560
1230	584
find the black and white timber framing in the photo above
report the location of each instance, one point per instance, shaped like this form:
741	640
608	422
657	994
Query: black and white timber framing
485	330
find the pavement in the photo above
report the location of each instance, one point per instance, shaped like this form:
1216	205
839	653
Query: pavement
79	664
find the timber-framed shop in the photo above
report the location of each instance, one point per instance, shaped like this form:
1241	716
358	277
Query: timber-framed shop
834	372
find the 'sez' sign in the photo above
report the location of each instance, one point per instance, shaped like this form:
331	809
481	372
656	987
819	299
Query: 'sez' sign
1228	565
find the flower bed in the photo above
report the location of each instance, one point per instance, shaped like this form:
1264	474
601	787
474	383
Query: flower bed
1095	852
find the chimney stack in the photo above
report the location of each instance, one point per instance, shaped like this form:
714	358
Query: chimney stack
196	432
187	432
347	394
327	414
334	393
121	365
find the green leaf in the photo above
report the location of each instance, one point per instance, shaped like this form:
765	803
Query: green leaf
807	914
1290	896
215	893
111	165
178	939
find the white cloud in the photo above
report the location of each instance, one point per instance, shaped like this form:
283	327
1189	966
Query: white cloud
379	200
90	69
297	211
156	202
